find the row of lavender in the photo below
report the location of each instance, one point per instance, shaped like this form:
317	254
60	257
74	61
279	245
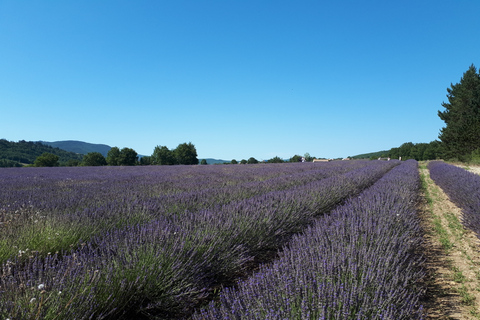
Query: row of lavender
359	262
51	209
165	267
463	188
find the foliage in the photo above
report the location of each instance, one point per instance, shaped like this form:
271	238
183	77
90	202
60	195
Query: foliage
203	162
185	153
296	158
145	161
417	151
46	160
124	157
113	156
461	134
275	160
26	152
371	155
308	157
127	157
73	163
4	163
163	156
92	159
234	161
252	160
474	157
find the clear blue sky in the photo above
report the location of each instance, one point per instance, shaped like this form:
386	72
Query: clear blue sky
238	79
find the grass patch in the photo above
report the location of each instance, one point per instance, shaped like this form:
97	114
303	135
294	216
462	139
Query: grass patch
455	225
467	298
432	195
458	275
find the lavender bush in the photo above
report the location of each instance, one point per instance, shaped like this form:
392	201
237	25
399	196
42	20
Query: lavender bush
163	265
51	209
359	262
462	187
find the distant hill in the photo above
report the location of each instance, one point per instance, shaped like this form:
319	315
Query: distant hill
377	154
79	146
25	152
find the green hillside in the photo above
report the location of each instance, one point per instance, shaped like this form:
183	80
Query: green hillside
13	154
376	154
79	146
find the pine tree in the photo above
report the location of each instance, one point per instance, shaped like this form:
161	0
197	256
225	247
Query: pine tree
462	117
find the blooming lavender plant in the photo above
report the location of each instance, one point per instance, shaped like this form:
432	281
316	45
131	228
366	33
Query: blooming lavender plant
166	263
462	187
359	262
51	209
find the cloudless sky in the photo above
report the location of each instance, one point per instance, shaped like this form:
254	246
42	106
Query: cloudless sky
238	79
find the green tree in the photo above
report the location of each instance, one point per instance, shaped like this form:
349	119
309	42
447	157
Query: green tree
72	163
5	163
394	153
405	151
296	158
93	159
252	160
243	161
46	160
418	151
203	161
275	160
234	161
433	151
308	157
461	135
128	157
145	161
162	156
186	153
113	156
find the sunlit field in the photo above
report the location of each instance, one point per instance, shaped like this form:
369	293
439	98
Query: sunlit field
336	240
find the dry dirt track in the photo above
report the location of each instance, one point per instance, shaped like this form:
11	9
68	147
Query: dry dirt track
453	257
474	169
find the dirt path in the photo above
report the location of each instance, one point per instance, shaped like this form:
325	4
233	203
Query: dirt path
453	257
474	169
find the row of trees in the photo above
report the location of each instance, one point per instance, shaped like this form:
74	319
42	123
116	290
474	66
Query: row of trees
417	151
185	153
252	160
115	157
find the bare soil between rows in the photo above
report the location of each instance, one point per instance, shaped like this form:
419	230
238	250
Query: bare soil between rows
452	257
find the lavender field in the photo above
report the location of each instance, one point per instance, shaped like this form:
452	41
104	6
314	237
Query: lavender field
161	242
463	188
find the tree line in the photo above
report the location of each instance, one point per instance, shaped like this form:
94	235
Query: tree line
417	151
276	159
23	153
184	153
